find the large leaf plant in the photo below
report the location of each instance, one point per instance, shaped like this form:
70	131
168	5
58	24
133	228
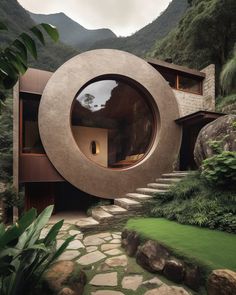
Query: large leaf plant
14	58
24	255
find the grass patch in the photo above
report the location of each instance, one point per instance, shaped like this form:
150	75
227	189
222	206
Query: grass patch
193	201
211	249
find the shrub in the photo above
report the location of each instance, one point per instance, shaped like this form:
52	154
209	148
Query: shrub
220	169
193	201
24	256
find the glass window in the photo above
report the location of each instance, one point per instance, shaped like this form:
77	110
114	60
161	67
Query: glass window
31	142
117	115
189	84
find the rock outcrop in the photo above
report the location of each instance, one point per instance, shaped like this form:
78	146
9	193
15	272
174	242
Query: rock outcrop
222	130
222	282
58	278
152	256
130	241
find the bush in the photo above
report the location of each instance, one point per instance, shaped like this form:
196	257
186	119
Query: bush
24	256
11	198
220	169
193	201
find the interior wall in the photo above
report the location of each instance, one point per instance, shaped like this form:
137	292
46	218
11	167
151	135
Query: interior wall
32	133
85	135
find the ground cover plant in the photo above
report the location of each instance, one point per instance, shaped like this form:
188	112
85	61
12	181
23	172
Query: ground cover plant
209	248
196	202
24	255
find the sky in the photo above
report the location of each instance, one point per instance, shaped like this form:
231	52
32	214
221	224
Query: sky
123	17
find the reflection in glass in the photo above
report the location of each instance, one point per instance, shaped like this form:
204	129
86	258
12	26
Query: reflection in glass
118	116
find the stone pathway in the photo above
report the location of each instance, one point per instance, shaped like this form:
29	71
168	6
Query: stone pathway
108	269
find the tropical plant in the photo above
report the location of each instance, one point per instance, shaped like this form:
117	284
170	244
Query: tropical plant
6	130
14	58
228	75
24	255
220	170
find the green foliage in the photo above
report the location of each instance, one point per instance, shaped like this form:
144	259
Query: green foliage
24	256
14	58
193	201
223	102
11	198
228	75
18	20
209	249
6	129
206	34
220	170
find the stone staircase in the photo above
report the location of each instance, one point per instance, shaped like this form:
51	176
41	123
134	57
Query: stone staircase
132	204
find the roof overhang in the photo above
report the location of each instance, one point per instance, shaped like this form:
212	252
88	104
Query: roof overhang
177	68
199	118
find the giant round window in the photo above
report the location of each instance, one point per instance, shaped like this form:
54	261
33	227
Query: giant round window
112	122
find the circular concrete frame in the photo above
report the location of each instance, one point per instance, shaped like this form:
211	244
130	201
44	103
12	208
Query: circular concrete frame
58	140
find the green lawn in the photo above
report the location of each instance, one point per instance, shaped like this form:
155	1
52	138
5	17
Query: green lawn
210	248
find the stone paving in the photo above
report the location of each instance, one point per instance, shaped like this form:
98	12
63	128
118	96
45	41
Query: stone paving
108	269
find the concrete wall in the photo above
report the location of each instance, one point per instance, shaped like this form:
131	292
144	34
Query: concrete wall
85	135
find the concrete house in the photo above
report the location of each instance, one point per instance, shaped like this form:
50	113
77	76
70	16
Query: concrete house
105	123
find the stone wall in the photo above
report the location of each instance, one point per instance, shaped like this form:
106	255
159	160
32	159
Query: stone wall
191	103
209	91
188	102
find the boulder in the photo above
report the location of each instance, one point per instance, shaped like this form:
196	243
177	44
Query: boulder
174	270
152	256
58	278
221	282
192	278
130	242
221	129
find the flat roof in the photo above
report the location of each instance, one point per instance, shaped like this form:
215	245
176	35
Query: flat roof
199	116
182	69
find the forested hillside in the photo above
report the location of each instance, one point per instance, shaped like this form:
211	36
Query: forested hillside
18	20
72	33
141	42
206	34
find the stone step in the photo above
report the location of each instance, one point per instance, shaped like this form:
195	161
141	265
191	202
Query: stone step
175	175
168	180
114	209
127	203
100	215
139	197
161	186
150	191
87	223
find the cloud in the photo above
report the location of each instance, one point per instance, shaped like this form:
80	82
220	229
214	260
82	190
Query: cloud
122	16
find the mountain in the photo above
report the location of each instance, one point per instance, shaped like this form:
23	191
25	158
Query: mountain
72	33
18	20
206	34
141	42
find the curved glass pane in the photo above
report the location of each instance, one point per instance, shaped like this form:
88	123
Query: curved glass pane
116	115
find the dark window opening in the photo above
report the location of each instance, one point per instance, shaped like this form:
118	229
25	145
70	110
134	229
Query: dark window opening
31	141
189	84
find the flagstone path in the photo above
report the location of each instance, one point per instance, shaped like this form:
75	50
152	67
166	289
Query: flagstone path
108	269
